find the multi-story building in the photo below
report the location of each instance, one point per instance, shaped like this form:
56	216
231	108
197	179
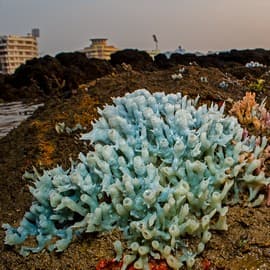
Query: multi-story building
99	49
16	50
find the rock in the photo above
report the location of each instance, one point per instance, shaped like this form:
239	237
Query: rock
139	60
162	61
52	76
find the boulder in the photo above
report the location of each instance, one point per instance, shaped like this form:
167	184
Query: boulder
139	60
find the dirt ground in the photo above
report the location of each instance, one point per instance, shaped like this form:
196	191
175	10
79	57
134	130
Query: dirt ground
246	244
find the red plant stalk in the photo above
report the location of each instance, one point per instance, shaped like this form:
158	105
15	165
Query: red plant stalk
268	195
113	265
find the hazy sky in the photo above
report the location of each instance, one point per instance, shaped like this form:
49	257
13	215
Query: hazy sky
201	25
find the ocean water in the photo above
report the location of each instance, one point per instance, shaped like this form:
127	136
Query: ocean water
13	113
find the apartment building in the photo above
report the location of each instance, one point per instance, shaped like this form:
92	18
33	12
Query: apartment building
16	50
99	49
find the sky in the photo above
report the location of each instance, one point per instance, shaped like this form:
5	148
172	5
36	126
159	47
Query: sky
196	25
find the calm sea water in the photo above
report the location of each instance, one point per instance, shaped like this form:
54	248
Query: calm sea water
13	113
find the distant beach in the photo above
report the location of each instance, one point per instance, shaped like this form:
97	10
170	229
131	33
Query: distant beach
13	113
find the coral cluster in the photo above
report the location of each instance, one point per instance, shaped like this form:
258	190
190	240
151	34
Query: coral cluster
179	75
62	128
223	85
254	64
250	113
162	170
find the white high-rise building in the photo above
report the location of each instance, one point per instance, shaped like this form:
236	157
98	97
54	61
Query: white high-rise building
16	50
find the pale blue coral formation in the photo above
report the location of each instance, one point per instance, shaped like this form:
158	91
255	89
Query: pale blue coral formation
161	170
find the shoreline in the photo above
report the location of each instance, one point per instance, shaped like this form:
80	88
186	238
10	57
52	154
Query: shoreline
36	143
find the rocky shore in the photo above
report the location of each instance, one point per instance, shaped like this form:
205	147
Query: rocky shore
72	87
60	76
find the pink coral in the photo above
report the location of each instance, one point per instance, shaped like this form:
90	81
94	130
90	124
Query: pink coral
264	116
243	109
249	112
268	195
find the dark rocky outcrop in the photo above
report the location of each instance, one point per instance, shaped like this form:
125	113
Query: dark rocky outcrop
139	60
45	73
49	76
58	76
162	62
88	69
220	60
